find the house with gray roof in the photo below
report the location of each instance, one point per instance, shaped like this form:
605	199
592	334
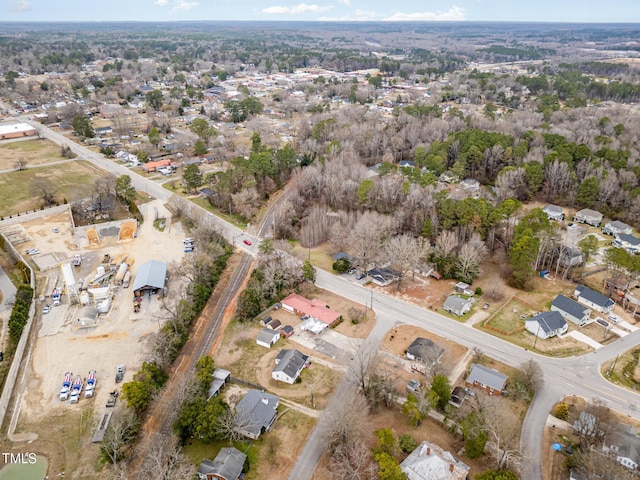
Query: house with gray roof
489	379
289	365
267	337
228	465
457	305
571	310
431	462
593	299
616	227
255	413
546	325
425	350
586	215
554	212
629	242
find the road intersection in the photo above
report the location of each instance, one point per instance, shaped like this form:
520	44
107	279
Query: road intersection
562	376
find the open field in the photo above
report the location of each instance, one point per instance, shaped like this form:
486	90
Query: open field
71	180
33	151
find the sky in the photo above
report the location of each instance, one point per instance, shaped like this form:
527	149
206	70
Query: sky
323	10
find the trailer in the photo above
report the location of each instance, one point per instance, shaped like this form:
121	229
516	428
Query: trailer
126	279
91	384
76	388
66	386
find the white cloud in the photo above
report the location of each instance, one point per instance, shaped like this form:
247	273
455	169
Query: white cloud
358	16
20	6
297	9
183	5
162	3
455	13
345	2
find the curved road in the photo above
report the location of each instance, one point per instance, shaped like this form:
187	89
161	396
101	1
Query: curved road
570	376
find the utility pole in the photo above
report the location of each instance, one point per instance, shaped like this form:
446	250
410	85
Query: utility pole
536	340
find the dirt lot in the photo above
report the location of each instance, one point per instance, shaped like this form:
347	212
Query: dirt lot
396	342
118	337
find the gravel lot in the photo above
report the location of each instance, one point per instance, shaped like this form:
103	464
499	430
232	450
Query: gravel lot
118	337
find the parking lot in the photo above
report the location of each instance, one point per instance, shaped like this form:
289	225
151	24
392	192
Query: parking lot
63	344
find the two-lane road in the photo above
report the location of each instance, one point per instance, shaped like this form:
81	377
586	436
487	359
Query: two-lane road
570	376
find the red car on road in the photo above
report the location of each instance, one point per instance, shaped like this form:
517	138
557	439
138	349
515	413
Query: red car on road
246	242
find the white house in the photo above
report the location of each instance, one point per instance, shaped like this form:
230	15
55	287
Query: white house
289	365
571	310
589	216
554	212
616	227
630	243
594	300
457	305
546	325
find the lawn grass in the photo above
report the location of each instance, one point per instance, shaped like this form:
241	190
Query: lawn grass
508	318
33	151
71	181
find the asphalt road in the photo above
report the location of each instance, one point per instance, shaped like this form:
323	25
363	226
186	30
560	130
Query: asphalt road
570	376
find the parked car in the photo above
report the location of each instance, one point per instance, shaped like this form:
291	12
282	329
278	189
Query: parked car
602	322
614	318
120	373
360	276
246	242
351	271
46	309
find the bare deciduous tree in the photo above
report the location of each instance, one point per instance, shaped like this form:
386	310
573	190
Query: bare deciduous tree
362	362
353	461
123	428
405	252
44	189
503	444
558	179
343	423
446	243
164	460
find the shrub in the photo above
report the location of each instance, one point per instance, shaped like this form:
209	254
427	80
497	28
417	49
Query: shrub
562	411
407	443
478	291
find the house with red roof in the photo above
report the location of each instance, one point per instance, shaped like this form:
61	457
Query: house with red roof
153	166
314	308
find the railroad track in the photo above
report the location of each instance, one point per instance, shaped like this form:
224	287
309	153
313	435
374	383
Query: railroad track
212	330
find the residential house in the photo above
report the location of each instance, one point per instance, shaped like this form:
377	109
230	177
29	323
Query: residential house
220	378
425	350
207	192
623	442
100	131
589	216
345	256
571	310
546	325
569	257
487	378
457	305
314	308
616	227
228	465
382	276
267	337
255	413
594	300
289	365
554	212
630	243
153	166
431	462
